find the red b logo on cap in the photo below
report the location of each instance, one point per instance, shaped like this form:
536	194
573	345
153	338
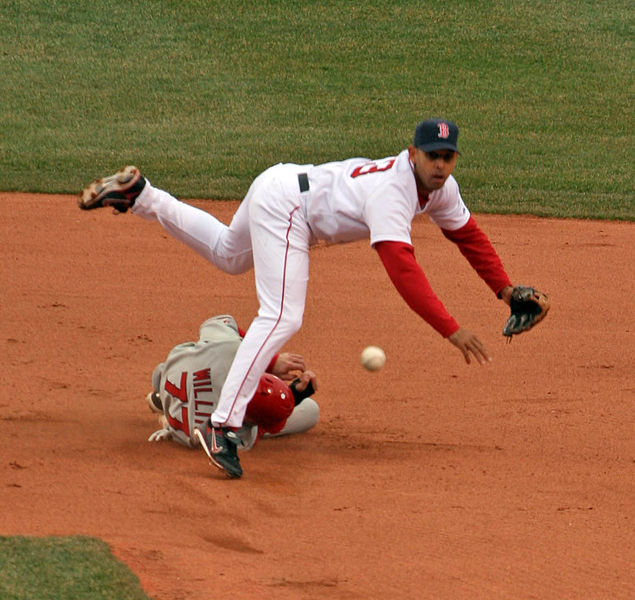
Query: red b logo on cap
444	130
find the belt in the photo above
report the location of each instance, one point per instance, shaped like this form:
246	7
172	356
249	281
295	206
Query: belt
303	181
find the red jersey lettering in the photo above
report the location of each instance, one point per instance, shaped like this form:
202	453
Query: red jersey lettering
180	425
202	381
178	392
373	167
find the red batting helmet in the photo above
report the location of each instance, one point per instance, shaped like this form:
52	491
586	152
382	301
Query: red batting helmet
271	405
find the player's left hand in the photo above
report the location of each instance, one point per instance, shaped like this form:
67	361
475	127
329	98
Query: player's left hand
307	377
160	436
304	386
470	345
288	365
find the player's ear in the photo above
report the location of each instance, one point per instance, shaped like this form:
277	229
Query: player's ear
411	152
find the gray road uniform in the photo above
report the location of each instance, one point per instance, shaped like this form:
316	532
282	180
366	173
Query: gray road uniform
189	382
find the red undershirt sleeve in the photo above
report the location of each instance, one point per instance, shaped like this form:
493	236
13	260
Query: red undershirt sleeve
410	281
479	252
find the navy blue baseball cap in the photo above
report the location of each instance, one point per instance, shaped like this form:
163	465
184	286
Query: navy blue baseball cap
436	134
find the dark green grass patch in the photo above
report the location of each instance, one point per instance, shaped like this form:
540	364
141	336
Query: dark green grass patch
52	568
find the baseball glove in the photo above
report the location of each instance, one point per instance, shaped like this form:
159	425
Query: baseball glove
528	307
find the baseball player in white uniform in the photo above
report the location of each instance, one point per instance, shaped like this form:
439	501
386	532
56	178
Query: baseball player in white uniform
290	207
186	388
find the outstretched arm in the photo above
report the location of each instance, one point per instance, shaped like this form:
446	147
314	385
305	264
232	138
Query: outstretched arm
409	279
478	250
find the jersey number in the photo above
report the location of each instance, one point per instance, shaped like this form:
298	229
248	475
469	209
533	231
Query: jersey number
181	394
373	167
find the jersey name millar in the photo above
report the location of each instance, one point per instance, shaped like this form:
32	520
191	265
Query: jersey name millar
359	198
192	377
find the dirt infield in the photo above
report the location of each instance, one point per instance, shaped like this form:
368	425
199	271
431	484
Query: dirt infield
430	479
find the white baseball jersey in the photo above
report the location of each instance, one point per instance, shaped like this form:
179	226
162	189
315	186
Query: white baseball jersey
360	198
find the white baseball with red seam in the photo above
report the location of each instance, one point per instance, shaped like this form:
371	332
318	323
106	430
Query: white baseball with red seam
373	358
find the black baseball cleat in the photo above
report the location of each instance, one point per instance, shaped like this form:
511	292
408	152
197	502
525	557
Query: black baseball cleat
119	190
220	445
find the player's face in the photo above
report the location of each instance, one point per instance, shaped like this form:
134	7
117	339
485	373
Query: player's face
432	168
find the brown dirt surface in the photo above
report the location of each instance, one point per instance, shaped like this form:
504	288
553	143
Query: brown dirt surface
429	479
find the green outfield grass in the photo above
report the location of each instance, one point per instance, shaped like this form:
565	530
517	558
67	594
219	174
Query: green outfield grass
50	568
203	95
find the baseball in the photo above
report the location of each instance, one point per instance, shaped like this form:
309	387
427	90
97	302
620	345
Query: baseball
373	358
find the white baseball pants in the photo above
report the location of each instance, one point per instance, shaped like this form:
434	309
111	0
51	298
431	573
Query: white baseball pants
270	233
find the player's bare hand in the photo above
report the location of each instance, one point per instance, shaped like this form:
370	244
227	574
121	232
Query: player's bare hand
470	345
288	365
304	380
160	436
